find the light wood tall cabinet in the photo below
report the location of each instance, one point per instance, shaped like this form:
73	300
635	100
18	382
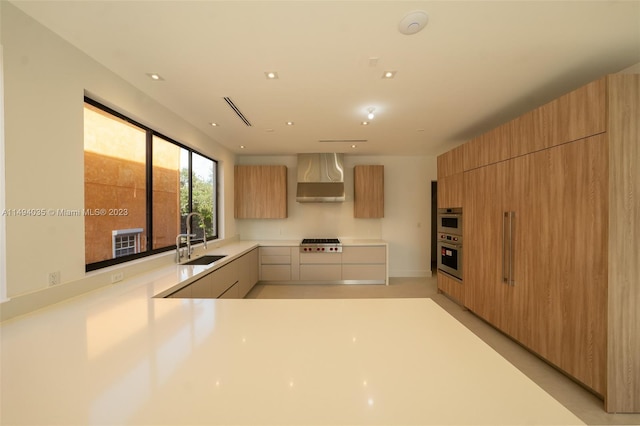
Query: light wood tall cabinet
368	192
450	178
260	192
551	234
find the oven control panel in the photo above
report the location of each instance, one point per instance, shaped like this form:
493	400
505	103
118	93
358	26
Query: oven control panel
457	239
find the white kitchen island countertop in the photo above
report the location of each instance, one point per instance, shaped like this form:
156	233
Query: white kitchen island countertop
118	356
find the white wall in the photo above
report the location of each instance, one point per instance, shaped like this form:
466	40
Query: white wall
45	80
3	228
406	225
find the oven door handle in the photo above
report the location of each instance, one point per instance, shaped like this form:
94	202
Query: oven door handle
450	245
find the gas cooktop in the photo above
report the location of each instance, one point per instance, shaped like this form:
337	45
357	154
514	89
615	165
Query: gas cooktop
320	245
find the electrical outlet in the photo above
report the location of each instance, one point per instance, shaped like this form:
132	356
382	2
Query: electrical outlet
117	277
54	278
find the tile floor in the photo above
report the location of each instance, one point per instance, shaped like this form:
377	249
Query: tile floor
575	398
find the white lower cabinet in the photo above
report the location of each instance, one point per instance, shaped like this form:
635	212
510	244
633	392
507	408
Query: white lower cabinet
367	264
231	293
275	263
231	281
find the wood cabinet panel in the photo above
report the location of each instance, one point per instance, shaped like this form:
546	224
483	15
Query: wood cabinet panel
483	232
260	192
578	268
451	191
488	148
451	162
624	244
573	182
534	130
368	192
581	113
553	244
451	286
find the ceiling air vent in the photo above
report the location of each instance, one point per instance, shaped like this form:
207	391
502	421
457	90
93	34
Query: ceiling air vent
237	111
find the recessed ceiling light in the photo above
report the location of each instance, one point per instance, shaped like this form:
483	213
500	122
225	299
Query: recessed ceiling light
213	124
154	76
241	146
389	74
271	75
371	115
365	123
354	146
289	123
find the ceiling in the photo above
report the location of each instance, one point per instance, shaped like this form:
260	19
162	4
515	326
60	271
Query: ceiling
475	65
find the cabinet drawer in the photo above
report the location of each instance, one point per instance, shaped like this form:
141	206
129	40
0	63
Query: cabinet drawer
321	272
321	258
364	255
275	260
184	292
223	278
364	272
275	251
275	272
231	293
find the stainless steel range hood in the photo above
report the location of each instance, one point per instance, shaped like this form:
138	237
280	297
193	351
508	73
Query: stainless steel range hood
320	178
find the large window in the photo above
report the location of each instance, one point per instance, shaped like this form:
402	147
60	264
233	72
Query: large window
140	187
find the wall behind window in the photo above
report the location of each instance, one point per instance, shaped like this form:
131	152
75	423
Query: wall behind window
406	225
45	81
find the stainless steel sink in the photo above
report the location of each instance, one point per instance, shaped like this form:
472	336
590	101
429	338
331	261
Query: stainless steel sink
204	260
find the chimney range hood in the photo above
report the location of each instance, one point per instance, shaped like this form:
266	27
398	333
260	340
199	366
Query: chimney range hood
320	178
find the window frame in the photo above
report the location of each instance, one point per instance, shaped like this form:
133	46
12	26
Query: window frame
150	133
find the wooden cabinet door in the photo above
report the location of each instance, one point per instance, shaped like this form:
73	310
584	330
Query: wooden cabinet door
451	191
482	241
576	297
488	148
368	192
260	192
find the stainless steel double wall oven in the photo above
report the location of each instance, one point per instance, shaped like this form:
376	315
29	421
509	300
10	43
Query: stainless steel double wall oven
450	241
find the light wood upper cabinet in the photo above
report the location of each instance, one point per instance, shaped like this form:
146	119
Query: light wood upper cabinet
451	162
581	113
576	115
368	192
488	148
260	192
450	180
450	191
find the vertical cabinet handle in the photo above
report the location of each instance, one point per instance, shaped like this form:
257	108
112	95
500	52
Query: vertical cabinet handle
505	263
512	220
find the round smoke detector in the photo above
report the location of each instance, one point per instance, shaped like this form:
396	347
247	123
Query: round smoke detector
413	22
